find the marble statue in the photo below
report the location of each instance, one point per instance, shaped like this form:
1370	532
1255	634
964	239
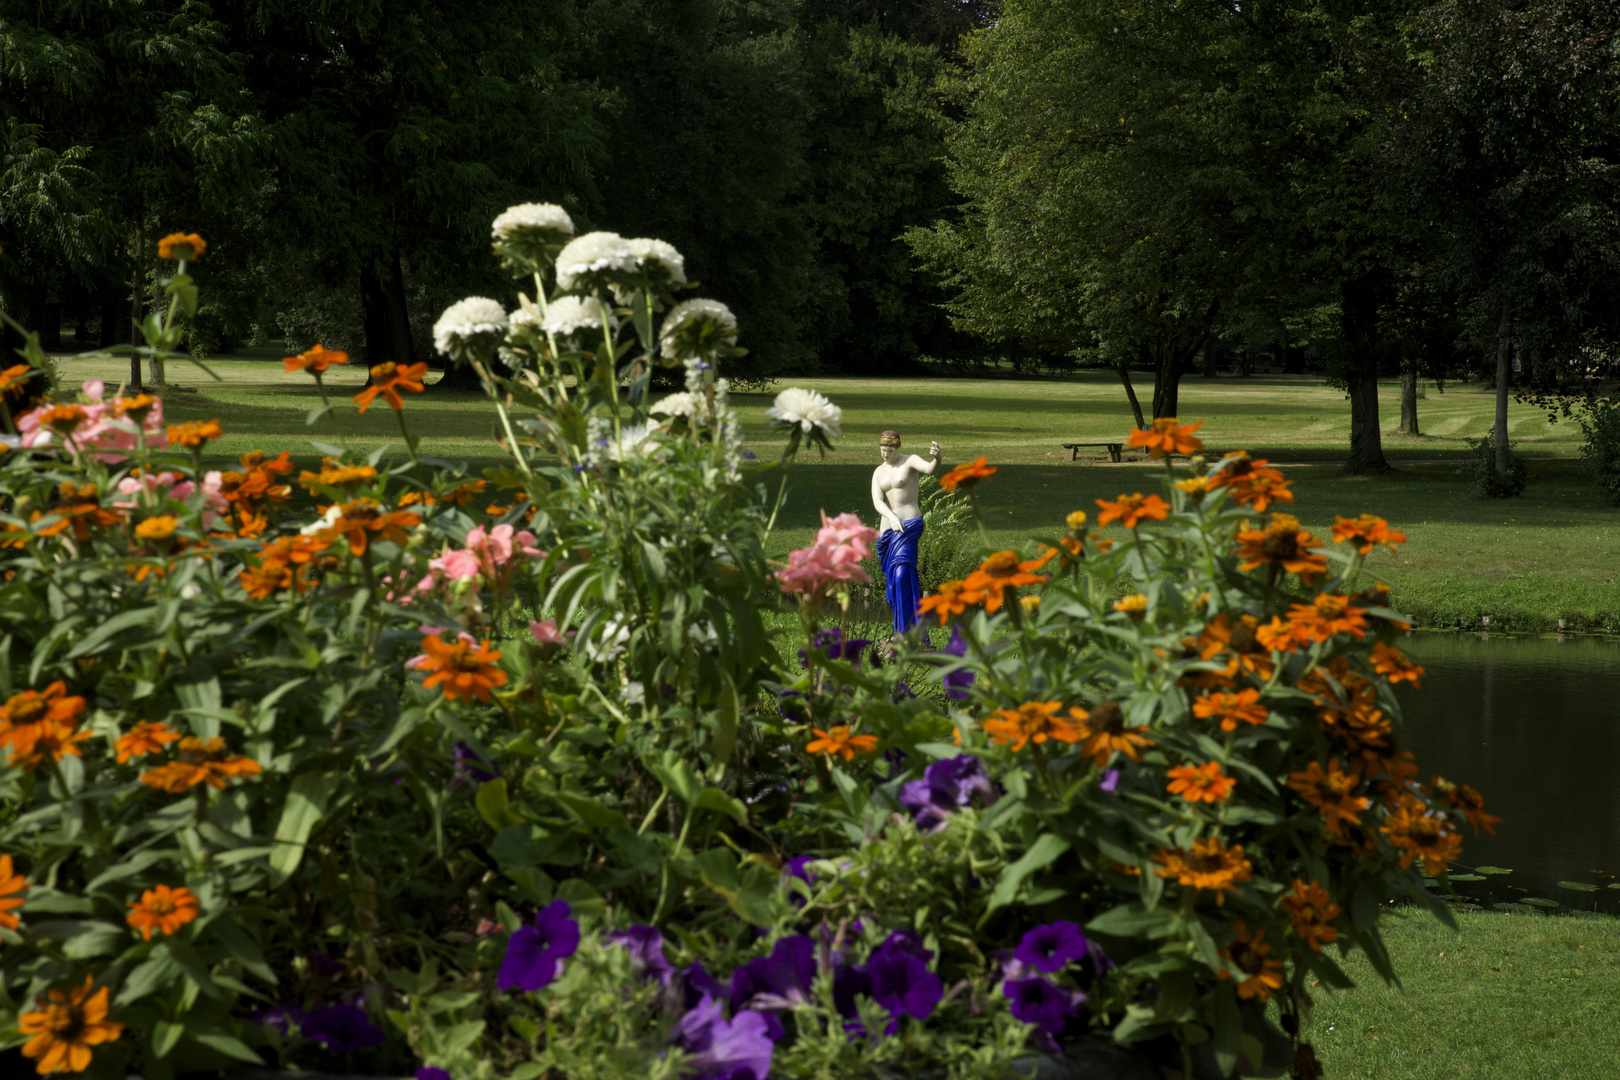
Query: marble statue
900	524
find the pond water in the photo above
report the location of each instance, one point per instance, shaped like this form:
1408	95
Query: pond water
1531	723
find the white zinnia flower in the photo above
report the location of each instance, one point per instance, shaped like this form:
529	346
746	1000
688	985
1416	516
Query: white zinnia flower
593	253
466	321
656	253
806	409
547	216
690	312
681	404
572	314
633	441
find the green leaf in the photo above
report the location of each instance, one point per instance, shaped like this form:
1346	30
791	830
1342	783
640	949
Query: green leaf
1468	877
155	972
192	965
675	773
1536	901
229	1045
165	1033
1491	870
1132	920
100	940
493	804
750	892
1577	886
1228	1028
1041	854
316	415
304	808
241	945
591	812
712	798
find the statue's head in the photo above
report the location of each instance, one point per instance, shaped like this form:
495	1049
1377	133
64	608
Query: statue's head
889	445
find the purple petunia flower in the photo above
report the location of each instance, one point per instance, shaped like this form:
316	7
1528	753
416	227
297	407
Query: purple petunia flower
781	979
945	786
832	644
534	954
1047	948
903	984
957	682
904	941
699	984
739	1049
1110	781
431	1072
473	767
280	1018
1041	1002
646	947
342	1028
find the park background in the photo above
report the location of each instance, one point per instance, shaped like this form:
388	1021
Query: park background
1331	232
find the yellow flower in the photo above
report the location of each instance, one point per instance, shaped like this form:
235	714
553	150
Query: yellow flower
1135	604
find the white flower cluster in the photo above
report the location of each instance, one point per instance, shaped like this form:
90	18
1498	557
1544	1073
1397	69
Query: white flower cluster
523	317
687	314
684	403
593	253
657	255
634	442
572	314
546	217
465	322
806	410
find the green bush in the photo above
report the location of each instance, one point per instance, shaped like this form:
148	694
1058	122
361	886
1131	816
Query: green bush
1600	452
1487	483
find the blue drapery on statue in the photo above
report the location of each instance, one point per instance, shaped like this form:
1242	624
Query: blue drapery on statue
901	585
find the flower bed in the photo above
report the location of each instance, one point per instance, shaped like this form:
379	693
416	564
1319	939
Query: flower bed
529	790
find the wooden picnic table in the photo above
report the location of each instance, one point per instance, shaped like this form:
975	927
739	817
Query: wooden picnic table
1114	449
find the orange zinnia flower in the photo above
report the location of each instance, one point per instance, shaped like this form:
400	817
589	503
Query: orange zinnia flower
1167	437
201	761
1251	483
388	379
1209	865
157	528
12	886
1280	636
65	1026
1200	783
181	246
282	566
1231	708
1135	604
1419	831
1104	731
1365	532
1000	572
1262	975
32	715
1467	802
314	360
63	419
335	473
966	476
15	375
465	666
1283	545
194	433
1312	910
1130	509
951	599
135	408
840	742
1391	663
146	737
360	516
1332	792
1328	614
162	909
81	505
1033	721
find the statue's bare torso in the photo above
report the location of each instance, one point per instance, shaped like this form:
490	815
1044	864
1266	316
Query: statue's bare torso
894	485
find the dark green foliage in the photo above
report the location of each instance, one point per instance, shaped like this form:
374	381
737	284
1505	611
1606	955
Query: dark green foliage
1480	467
1600	452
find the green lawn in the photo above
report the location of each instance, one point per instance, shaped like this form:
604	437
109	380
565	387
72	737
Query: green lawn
1524	562
1510	996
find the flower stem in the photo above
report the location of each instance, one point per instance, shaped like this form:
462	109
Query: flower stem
410	447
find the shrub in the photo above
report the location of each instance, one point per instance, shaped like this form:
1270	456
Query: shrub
532	791
1480	467
1600	452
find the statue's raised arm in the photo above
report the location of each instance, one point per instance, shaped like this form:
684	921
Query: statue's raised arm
900	524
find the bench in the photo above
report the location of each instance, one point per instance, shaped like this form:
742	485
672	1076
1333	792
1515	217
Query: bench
1114	449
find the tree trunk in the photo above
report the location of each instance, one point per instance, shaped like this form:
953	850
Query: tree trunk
1130	392
1210	356
1358	300
1409	400
1168	369
136	295
1504	464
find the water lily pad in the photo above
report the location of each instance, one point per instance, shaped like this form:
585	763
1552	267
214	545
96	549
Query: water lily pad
1536	901
1467	877
1519	908
1614	884
1491	870
1578	886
